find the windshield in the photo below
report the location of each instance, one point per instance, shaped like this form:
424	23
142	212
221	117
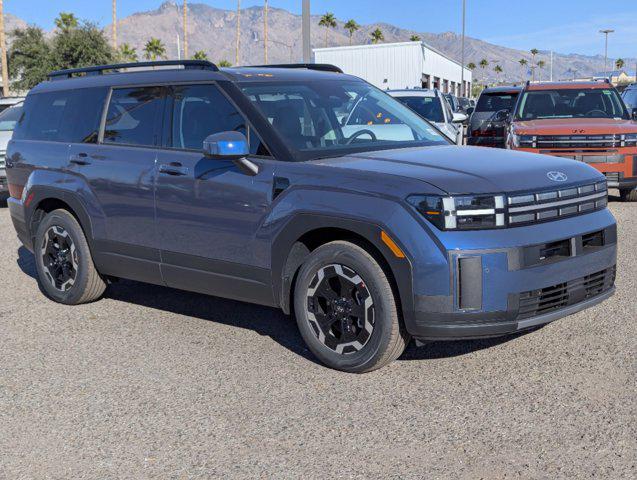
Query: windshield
427	107
331	118
571	103
9	117
494	102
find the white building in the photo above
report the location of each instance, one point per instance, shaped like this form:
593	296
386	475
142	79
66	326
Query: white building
398	66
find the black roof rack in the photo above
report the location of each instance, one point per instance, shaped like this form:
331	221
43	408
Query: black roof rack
322	67
100	69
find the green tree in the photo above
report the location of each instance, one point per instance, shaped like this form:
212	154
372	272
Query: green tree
541	64
351	26
29	58
81	46
377	36
523	63
224	63
328	21
66	21
619	63
471	66
498	70
200	55
484	63
127	53
415	38
534	52
154	49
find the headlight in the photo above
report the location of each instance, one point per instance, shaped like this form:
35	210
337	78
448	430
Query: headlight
524	141
465	212
629	140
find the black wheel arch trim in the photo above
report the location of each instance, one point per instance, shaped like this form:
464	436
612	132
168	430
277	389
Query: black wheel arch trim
288	254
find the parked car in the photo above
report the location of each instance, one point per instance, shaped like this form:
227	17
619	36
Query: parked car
245	183
432	106
8	119
629	95
464	104
6	102
453	101
488	122
585	121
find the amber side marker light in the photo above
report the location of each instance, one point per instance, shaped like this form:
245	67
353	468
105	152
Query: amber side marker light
391	244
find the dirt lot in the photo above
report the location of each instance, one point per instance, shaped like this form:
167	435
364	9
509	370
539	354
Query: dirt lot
156	383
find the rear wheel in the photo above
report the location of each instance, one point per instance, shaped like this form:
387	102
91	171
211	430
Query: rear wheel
346	310
63	261
628	195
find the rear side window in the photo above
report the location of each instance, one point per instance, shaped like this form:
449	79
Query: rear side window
134	115
9	118
71	116
202	110
494	102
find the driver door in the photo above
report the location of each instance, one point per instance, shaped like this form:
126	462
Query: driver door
207	210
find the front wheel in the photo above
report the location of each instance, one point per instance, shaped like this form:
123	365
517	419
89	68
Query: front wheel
346	310
629	195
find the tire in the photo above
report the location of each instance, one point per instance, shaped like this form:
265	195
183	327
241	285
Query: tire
336	326
65	267
629	195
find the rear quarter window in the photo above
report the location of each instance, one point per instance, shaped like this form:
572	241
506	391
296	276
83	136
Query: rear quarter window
71	116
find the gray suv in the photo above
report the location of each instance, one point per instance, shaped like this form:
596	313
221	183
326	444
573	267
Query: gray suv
301	188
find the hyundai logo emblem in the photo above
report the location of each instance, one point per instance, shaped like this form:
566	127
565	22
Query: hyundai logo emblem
557	176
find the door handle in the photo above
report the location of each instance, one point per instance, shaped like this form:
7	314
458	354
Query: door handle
174	168
79	159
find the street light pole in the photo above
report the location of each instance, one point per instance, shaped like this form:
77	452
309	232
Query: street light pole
606	32
307	49
462	88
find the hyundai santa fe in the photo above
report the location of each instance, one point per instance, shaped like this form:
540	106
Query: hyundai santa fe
302	188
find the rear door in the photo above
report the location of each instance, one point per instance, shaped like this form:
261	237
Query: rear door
208	211
119	170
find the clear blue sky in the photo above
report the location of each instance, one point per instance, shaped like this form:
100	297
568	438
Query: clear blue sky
567	26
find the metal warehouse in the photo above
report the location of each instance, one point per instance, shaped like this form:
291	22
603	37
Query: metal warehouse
399	65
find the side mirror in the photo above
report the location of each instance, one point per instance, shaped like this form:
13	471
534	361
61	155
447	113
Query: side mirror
459	117
230	146
470	111
634	113
502	116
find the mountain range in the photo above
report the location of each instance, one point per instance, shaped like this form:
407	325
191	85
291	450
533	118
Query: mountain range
213	30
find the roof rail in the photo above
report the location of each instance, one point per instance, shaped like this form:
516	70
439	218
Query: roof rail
100	69
322	67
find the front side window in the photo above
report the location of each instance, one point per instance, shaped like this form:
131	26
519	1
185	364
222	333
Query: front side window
133	116
571	103
494	102
202	110
427	107
630	98
336	117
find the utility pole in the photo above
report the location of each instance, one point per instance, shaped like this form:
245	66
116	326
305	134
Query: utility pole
185	31
3	46
462	89
114	24
265	31
307	49
551	65
236	61
606	32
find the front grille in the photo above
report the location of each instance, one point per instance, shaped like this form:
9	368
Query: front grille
556	297
579	141
535	207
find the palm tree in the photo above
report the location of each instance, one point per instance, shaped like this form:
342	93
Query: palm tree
471	66
498	70
224	63
66	21
541	64
200	55
3	59
154	49
238	31
484	63
377	36
127	53
351	26
414	38
185	27
523	63
328	21
114	8
619	63
534	52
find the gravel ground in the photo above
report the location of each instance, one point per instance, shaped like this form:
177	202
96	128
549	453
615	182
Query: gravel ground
156	383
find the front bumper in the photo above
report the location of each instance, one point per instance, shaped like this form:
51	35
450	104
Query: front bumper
500	291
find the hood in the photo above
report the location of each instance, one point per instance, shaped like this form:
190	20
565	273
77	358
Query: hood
575	126
463	170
